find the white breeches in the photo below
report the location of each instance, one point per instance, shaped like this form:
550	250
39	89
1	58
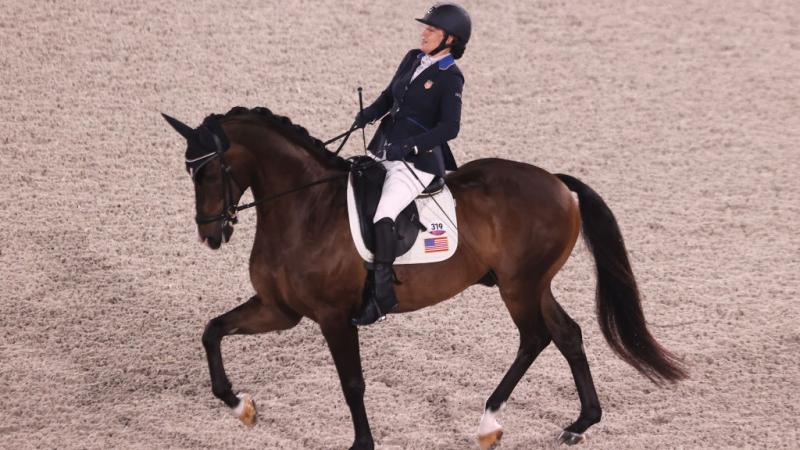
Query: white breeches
400	188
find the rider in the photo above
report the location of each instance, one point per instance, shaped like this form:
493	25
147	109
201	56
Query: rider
423	102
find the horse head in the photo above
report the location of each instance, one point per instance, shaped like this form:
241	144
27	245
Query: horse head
211	163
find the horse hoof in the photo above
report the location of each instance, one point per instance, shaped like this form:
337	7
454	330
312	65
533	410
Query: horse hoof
570	438
491	440
246	409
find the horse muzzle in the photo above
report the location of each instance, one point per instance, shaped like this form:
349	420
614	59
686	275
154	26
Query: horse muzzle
216	238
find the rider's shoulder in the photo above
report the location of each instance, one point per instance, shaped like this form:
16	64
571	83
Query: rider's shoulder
448	65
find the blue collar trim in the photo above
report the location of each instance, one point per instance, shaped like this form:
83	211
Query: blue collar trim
446	62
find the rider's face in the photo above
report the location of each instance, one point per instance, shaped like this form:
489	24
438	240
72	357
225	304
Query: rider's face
430	38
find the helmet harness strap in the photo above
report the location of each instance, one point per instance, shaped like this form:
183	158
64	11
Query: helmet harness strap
442	45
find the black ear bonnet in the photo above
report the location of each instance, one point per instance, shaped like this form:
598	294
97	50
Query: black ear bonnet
211	136
203	143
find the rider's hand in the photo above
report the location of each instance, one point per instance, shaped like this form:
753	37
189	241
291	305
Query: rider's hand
361	120
398	150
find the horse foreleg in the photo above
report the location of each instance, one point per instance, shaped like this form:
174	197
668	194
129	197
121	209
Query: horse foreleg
567	337
342	339
251	317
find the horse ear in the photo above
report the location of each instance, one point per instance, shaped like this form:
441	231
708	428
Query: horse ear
184	130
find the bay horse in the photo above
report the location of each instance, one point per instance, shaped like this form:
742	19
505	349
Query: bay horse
518	225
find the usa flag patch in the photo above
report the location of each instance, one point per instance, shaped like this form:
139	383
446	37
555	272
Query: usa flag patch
437	244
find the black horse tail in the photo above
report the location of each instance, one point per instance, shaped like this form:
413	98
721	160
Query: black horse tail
619	308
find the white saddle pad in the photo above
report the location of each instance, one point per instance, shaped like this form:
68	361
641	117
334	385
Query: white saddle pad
437	243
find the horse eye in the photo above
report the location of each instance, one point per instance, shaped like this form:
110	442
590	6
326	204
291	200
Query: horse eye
204	175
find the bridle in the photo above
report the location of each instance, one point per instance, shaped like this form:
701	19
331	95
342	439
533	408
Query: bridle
231	207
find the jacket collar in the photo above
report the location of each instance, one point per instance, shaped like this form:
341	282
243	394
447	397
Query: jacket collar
446	62
443	63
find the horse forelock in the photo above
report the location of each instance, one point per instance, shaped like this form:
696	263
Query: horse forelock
287	128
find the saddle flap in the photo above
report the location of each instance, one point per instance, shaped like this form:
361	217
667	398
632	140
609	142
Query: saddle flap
367	183
427	229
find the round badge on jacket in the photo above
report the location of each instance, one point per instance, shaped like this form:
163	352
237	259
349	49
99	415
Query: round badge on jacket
428	84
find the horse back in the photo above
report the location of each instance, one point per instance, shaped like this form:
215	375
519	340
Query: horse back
509	184
517	211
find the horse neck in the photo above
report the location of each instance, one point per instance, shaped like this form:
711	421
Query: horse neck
282	165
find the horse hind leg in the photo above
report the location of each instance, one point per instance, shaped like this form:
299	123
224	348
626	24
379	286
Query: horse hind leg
534	338
251	317
567	336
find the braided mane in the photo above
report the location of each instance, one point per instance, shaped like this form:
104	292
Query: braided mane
291	131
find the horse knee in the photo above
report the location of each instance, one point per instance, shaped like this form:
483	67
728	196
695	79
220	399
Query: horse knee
213	333
593	414
354	386
222	390
354	389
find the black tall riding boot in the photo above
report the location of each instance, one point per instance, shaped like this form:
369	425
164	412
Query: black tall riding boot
379	298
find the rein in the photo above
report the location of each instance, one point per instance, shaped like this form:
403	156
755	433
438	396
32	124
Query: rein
345	135
231	208
236	209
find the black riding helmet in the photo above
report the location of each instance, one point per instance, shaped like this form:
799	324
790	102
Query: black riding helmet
454	21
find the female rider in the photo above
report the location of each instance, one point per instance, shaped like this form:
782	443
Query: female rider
423	102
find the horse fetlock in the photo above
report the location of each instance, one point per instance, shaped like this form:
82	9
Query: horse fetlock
246	409
490	431
593	415
363	444
588	417
223	392
570	438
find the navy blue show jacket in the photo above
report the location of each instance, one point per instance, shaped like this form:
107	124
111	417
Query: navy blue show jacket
426	110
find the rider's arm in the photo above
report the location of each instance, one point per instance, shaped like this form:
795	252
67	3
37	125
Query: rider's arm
380	106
